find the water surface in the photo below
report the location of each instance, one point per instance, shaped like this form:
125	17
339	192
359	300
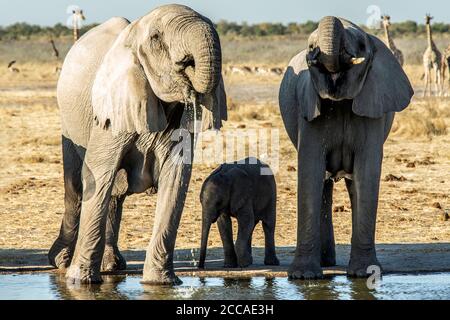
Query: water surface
46	286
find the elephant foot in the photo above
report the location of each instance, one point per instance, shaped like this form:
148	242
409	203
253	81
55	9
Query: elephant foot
113	260
59	256
230	263
306	268
161	277
82	275
358	266
245	261
271	261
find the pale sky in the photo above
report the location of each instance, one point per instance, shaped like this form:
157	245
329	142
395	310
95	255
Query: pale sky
49	12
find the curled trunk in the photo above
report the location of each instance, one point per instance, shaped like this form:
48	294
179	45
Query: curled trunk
201	41
331	33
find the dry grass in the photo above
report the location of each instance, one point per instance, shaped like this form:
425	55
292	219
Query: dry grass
34	74
271	50
31	189
425	118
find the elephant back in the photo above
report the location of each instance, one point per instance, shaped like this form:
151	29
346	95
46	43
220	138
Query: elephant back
77	77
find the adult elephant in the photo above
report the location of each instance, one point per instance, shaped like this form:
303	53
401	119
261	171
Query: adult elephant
337	100
125	91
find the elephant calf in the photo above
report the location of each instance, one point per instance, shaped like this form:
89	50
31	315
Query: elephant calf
240	190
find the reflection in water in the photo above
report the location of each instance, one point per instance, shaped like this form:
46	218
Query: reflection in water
325	289
360	291
54	286
69	291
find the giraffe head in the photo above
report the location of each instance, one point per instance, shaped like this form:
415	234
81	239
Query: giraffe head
78	14
386	19
428	18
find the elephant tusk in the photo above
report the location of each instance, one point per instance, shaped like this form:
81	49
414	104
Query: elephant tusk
357	60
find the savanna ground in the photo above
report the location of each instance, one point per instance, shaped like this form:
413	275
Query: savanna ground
413	201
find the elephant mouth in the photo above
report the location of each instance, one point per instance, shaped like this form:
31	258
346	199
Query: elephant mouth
335	82
187	76
334	77
185	69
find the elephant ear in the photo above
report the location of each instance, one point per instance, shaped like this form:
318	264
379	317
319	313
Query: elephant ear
122	98
240	188
212	112
298	97
386	89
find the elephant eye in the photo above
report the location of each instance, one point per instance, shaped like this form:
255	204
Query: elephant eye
156	41
155	36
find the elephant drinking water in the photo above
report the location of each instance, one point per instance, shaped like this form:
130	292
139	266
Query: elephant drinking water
125	91
337	100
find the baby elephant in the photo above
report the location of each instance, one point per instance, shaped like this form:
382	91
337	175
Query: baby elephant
245	190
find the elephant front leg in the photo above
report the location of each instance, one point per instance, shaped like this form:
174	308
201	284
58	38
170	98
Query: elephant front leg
364	191
226	234
270	257
311	174
102	159
173	184
61	252
112	258
269	223
243	246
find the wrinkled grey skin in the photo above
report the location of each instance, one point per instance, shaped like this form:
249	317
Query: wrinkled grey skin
337	100
121	94
239	190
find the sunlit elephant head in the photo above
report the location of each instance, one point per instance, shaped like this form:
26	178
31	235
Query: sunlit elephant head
170	55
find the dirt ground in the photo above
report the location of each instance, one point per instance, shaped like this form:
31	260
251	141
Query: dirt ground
414	193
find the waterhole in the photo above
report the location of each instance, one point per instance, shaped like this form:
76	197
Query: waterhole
44	286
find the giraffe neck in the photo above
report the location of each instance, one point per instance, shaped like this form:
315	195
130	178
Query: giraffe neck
389	40
429	36
75	28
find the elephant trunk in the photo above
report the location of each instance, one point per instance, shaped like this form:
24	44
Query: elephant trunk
206	225
331	40
202	44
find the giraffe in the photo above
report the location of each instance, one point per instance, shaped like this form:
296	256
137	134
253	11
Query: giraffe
432	59
389	41
446	66
56	56
55	50
77	17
